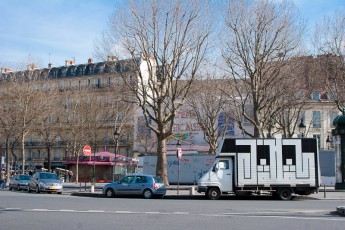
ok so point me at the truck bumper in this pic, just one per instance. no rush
(201, 189)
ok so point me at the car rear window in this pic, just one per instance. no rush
(158, 179)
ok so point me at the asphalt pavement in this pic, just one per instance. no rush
(189, 192)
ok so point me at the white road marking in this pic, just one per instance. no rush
(123, 212)
(181, 213)
(280, 214)
(95, 211)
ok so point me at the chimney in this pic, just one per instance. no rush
(112, 58)
(69, 62)
(5, 70)
(32, 66)
(89, 60)
(50, 65)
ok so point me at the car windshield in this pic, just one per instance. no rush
(48, 176)
(24, 177)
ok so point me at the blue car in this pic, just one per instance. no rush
(144, 185)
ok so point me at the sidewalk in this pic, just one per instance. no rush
(84, 189)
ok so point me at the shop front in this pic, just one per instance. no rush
(101, 166)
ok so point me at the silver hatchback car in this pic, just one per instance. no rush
(45, 182)
(145, 185)
(19, 182)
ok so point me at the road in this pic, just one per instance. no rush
(29, 211)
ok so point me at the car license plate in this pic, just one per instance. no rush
(53, 187)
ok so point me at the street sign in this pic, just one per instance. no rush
(87, 150)
(179, 153)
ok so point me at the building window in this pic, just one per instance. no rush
(332, 116)
(30, 155)
(62, 85)
(316, 119)
(99, 83)
(89, 82)
(315, 96)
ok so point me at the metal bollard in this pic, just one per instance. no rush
(324, 190)
(191, 190)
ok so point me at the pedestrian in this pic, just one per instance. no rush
(70, 175)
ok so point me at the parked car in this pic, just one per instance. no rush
(19, 182)
(45, 182)
(144, 185)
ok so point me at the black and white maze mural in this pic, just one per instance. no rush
(270, 162)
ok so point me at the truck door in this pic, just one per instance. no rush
(224, 174)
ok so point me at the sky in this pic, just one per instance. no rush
(52, 31)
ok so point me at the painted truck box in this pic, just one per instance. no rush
(280, 167)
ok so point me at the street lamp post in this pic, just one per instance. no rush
(302, 128)
(116, 139)
(328, 142)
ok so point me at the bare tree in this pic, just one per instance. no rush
(208, 101)
(47, 126)
(261, 36)
(171, 38)
(294, 92)
(8, 122)
(30, 101)
(329, 41)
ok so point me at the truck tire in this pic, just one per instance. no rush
(284, 194)
(213, 193)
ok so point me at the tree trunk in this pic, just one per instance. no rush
(49, 161)
(161, 169)
(23, 154)
(7, 162)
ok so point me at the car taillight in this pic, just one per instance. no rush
(155, 186)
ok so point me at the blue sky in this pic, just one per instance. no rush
(44, 31)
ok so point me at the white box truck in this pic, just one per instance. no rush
(280, 167)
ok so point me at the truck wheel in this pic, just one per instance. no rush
(284, 194)
(213, 193)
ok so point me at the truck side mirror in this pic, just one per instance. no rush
(215, 169)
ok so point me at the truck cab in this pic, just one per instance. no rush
(279, 167)
(219, 179)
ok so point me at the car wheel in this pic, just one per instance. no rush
(18, 188)
(285, 194)
(147, 194)
(213, 193)
(9, 188)
(37, 189)
(109, 193)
